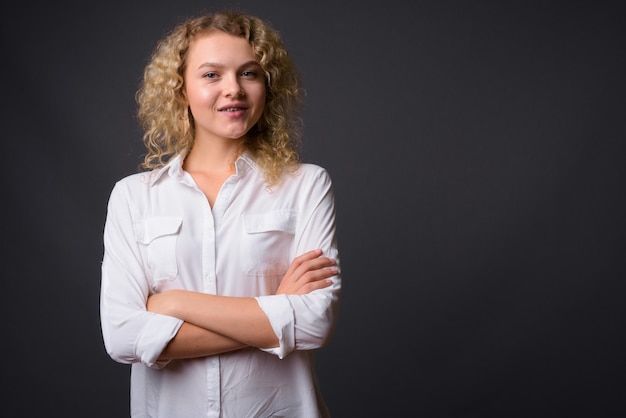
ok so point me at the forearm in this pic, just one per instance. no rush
(192, 341)
(236, 318)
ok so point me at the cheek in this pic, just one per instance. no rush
(263, 95)
(257, 93)
(196, 94)
(194, 97)
(200, 103)
(260, 99)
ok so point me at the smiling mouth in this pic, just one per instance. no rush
(233, 109)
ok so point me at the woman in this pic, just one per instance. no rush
(220, 272)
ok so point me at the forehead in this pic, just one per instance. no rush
(219, 47)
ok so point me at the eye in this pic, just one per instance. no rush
(210, 75)
(249, 74)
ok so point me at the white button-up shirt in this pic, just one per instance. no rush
(161, 234)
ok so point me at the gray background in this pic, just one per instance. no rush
(477, 153)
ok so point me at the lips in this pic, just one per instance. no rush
(238, 107)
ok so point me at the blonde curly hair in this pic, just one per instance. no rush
(165, 117)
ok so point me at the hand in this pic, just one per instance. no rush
(307, 272)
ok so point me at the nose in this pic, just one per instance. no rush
(233, 87)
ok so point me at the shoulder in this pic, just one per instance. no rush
(309, 177)
(133, 181)
(312, 171)
(127, 187)
(142, 177)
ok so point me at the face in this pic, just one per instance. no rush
(224, 86)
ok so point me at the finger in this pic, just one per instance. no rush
(303, 258)
(316, 285)
(308, 255)
(312, 266)
(317, 275)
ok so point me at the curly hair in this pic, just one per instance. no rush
(163, 113)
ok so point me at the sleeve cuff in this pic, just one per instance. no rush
(154, 337)
(280, 314)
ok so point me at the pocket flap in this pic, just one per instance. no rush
(277, 220)
(150, 228)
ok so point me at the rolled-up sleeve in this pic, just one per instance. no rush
(305, 322)
(131, 334)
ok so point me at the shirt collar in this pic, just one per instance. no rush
(245, 162)
(175, 167)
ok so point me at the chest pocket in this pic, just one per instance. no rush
(267, 242)
(157, 237)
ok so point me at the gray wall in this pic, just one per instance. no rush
(477, 150)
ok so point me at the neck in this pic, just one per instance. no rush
(213, 156)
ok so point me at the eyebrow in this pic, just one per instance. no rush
(218, 65)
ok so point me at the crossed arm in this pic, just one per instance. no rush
(216, 324)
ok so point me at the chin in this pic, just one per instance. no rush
(237, 135)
